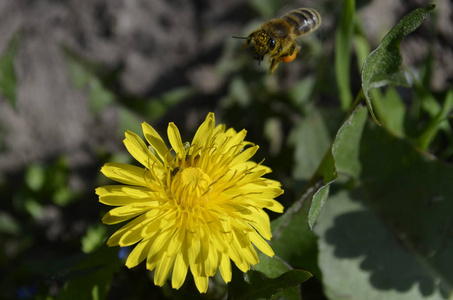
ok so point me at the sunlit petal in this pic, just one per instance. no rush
(197, 207)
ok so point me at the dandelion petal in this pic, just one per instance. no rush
(196, 208)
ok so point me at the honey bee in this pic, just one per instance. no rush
(277, 36)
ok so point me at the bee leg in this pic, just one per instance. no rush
(292, 51)
(274, 63)
(248, 40)
(246, 45)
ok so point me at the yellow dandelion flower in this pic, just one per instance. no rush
(196, 206)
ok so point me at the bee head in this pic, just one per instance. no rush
(263, 43)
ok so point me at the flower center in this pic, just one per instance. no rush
(190, 186)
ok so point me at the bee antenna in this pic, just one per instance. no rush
(261, 58)
(240, 37)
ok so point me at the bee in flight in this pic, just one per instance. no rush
(277, 36)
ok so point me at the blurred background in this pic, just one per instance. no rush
(86, 71)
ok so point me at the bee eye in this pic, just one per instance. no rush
(271, 43)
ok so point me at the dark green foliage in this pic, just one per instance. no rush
(367, 207)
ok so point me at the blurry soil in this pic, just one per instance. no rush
(156, 46)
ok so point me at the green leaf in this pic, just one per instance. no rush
(8, 224)
(83, 76)
(343, 38)
(154, 109)
(256, 285)
(8, 80)
(428, 102)
(292, 229)
(361, 46)
(128, 120)
(311, 140)
(267, 8)
(35, 176)
(33, 207)
(299, 94)
(239, 90)
(63, 196)
(273, 267)
(319, 199)
(98, 95)
(341, 159)
(91, 278)
(393, 236)
(414, 192)
(391, 110)
(359, 251)
(440, 121)
(383, 65)
(346, 146)
(94, 238)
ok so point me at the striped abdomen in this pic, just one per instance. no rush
(304, 20)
